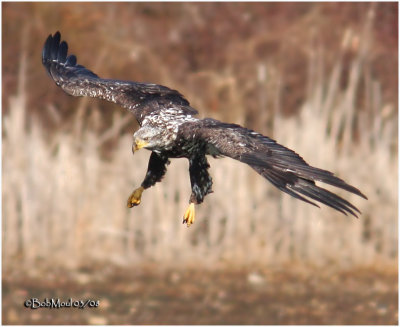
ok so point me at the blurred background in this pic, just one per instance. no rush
(320, 78)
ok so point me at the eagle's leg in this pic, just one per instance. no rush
(155, 172)
(188, 217)
(201, 185)
(135, 197)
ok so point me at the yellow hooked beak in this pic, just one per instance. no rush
(139, 144)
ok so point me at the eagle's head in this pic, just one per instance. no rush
(151, 138)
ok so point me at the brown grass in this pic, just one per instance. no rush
(64, 191)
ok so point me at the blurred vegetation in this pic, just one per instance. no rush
(255, 64)
(199, 46)
(249, 63)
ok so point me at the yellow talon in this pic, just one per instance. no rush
(135, 197)
(188, 217)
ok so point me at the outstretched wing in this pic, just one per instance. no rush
(139, 98)
(281, 166)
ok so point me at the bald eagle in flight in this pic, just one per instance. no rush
(169, 129)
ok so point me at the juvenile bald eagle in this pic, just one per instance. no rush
(169, 129)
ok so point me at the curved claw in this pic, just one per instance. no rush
(188, 217)
(135, 198)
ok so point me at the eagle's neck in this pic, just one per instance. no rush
(167, 123)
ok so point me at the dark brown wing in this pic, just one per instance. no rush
(76, 80)
(281, 166)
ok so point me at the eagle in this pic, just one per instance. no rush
(169, 129)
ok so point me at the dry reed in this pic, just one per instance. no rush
(64, 205)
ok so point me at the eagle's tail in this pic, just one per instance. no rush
(281, 166)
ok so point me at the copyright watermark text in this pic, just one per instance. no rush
(49, 303)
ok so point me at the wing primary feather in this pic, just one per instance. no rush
(55, 45)
(46, 49)
(291, 184)
(62, 52)
(71, 60)
(280, 183)
(324, 196)
(302, 169)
